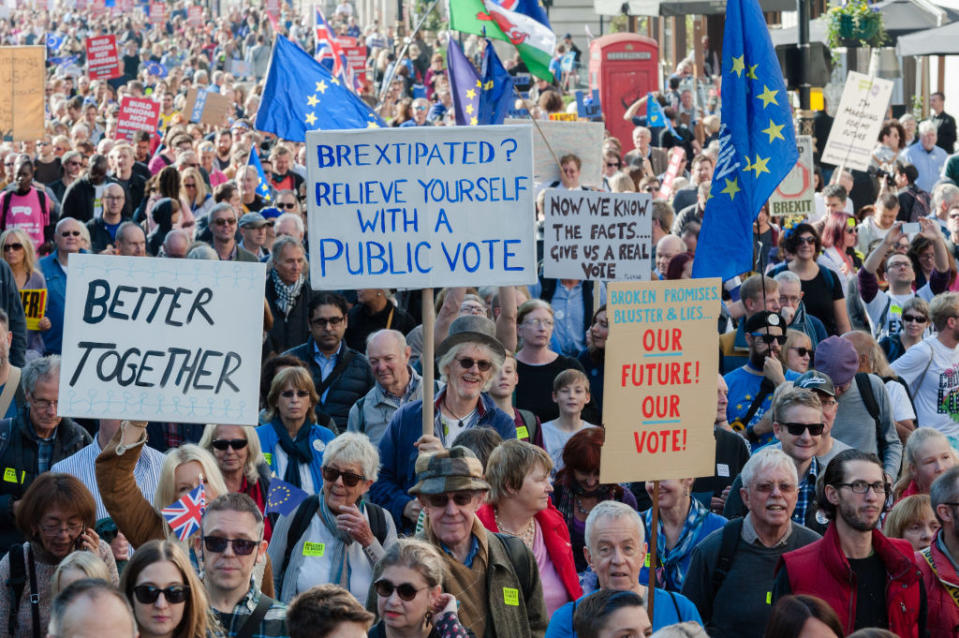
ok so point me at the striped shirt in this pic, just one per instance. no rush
(273, 624)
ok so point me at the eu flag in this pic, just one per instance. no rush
(283, 497)
(262, 184)
(655, 116)
(300, 95)
(497, 95)
(463, 81)
(757, 143)
(476, 99)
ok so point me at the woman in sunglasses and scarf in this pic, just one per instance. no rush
(336, 536)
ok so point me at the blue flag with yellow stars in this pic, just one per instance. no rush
(283, 497)
(497, 95)
(655, 116)
(476, 99)
(464, 82)
(757, 144)
(262, 184)
(301, 95)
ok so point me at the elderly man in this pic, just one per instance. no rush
(290, 225)
(616, 550)
(176, 244)
(131, 242)
(91, 608)
(288, 295)
(493, 577)
(793, 310)
(397, 383)
(103, 229)
(35, 440)
(733, 569)
(658, 159)
(253, 229)
(928, 158)
(54, 268)
(421, 108)
(83, 200)
(667, 248)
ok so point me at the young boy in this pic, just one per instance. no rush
(571, 394)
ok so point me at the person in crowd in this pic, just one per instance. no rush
(945, 124)
(91, 607)
(875, 227)
(571, 394)
(928, 158)
(327, 611)
(578, 490)
(468, 361)
(288, 294)
(341, 374)
(55, 516)
(823, 387)
(353, 532)
(756, 294)
(922, 252)
(26, 206)
(72, 162)
(913, 519)
(701, 172)
(801, 616)
(873, 361)
(168, 598)
(197, 193)
(19, 254)
(616, 551)
(732, 570)
(937, 561)
(914, 203)
(793, 309)
(450, 488)
(612, 613)
(77, 565)
(166, 213)
(518, 473)
(176, 244)
(666, 248)
(253, 228)
(643, 152)
(54, 269)
(839, 237)
(926, 456)
(797, 351)
(396, 383)
(593, 357)
(124, 170)
(296, 435)
(103, 228)
(232, 544)
(83, 200)
(131, 241)
(223, 222)
(34, 440)
(410, 601)
(868, 579)
(374, 310)
(572, 302)
(236, 449)
(915, 324)
(528, 426)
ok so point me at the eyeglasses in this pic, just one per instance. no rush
(286, 205)
(802, 352)
(225, 221)
(899, 264)
(217, 545)
(769, 339)
(807, 240)
(767, 488)
(148, 594)
(539, 323)
(852, 230)
(289, 394)
(44, 404)
(467, 363)
(330, 474)
(52, 529)
(13, 246)
(190, 185)
(331, 321)
(440, 500)
(613, 164)
(861, 487)
(913, 319)
(405, 591)
(796, 429)
(70, 233)
(112, 197)
(223, 444)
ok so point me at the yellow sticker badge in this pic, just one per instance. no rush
(313, 549)
(511, 596)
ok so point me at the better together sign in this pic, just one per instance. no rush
(421, 207)
(162, 340)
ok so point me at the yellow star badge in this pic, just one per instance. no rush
(739, 65)
(759, 166)
(751, 74)
(732, 187)
(321, 86)
(471, 93)
(312, 100)
(310, 119)
(774, 131)
(768, 96)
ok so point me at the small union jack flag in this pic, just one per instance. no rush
(327, 47)
(186, 515)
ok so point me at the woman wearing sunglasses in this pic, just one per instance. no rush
(167, 597)
(236, 449)
(796, 354)
(410, 602)
(915, 323)
(292, 440)
(338, 536)
(20, 255)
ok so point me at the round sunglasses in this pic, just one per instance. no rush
(405, 591)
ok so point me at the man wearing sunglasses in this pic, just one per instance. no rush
(223, 221)
(869, 580)
(230, 547)
(494, 577)
(66, 237)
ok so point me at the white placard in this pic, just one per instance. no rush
(859, 117)
(582, 139)
(594, 235)
(796, 194)
(175, 340)
(421, 207)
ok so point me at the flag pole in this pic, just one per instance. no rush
(429, 320)
(540, 131)
(406, 45)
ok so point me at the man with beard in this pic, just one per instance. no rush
(869, 580)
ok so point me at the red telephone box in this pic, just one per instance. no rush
(624, 67)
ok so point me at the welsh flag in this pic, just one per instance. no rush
(534, 41)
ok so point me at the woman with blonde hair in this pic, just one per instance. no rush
(19, 254)
(77, 566)
(796, 354)
(195, 192)
(913, 520)
(926, 455)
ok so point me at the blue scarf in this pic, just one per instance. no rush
(670, 572)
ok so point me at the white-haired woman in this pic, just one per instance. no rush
(336, 536)
(926, 455)
(236, 449)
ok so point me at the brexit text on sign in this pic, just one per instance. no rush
(162, 340)
(421, 207)
(660, 380)
(796, 194)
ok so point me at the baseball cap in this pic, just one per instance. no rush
(816, 380)
(252, 220)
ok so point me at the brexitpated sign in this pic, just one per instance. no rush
(660, 380)
(162, 340)
(421, 207)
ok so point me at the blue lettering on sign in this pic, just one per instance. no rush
(199, 105)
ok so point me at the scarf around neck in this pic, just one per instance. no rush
(286, 294)
(297, 451)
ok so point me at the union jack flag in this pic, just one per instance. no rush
(327, 47)
(186, 515)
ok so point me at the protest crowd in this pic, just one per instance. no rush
(832, 503)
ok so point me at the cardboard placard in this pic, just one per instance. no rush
(592, 110)
(660, 381)
(22, 80)
(796, 194)
(137, 114)
(206, 107)
(34, 306)
(582, 139)
(421, 207)
(103, 60)
(596, 235)
(162, 340)
(861, 112)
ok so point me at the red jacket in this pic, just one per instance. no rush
(821, 569)
(944, 622)
(556, 539)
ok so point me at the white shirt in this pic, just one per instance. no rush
(899, 400)
(306, 477)
(555, 438)
(318, 560)
(931, 371)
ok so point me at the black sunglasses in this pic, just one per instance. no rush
(13, 246)
(217, 545)
(468, 362)
(148, 594)
(796, 429)
(330, 474)
(768, 339)
(803, 352)
(440, 500)
(405, 591)
(289, 394)
(223, 444)
(68, 233)
(914, 319)
(287, 205)
(807, 240)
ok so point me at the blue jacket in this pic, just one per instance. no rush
(398, 456)
(671, 608)
(319, 437)
(56, 301)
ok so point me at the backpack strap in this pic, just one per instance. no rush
(6, 209)
(732, 532)
(16, 582)
(377, 522)
(519, 559)
(298, 527)
(872, 406)
(361, 426)
(252, 622)
(529, 422)
(34, 593)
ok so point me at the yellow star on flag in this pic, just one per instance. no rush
(310, 119)
(489, 85)
(479, 84)
(749, 166)
(759, 166)
(768, 96)
(321, 86)
(774, 131)
(471, 93)
(473, 121)
(335, 81)
(372, 125)
(751, 74)
(469, 109)
(732, 187)
(312, 100)
(739, 65)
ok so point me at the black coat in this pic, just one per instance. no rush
(78, 199)
(288, 331)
